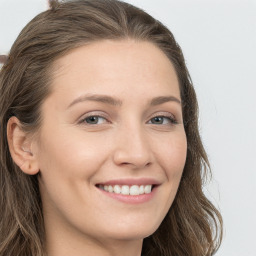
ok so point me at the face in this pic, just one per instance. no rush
(112, 146)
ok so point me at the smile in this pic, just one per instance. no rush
(132, 190)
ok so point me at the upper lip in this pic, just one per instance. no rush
(131, 181)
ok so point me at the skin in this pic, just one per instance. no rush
(72, 155)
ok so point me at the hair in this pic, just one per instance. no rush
(3, 59)
(192, 226)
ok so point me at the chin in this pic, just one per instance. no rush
(132, 231)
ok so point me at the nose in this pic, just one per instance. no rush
(132, 148)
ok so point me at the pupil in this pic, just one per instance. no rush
(92, 119)
(158, 120)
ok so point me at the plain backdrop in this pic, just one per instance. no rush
(218, 38)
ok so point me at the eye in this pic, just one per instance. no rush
(158, 120)
(94, 120)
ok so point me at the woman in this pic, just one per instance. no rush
(100, 149)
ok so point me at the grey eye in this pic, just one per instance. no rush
(162, 120)
(157, 120)
(92, 119)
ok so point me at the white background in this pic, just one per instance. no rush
(218, 38)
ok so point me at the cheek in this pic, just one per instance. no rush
(68, 164)
(71, 155)
(172, 153)
(172, 158)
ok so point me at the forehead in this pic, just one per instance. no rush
(110, 65)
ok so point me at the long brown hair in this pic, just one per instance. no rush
(193, 226)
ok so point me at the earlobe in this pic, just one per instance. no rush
(20, 147)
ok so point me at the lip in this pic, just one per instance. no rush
(128, 199)
(131, 181)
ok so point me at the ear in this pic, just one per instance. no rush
(20, 146)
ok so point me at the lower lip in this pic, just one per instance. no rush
(138, 199)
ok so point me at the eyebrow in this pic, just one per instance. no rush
(96, 97)
(163, 99)
(116, 102)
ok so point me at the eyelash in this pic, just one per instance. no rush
(171, 119)
(91, 116)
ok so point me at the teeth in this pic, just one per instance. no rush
(127, 190)
(110, 189)
(117, 189)
(141, 189)
(134, 190)
(147, 189)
